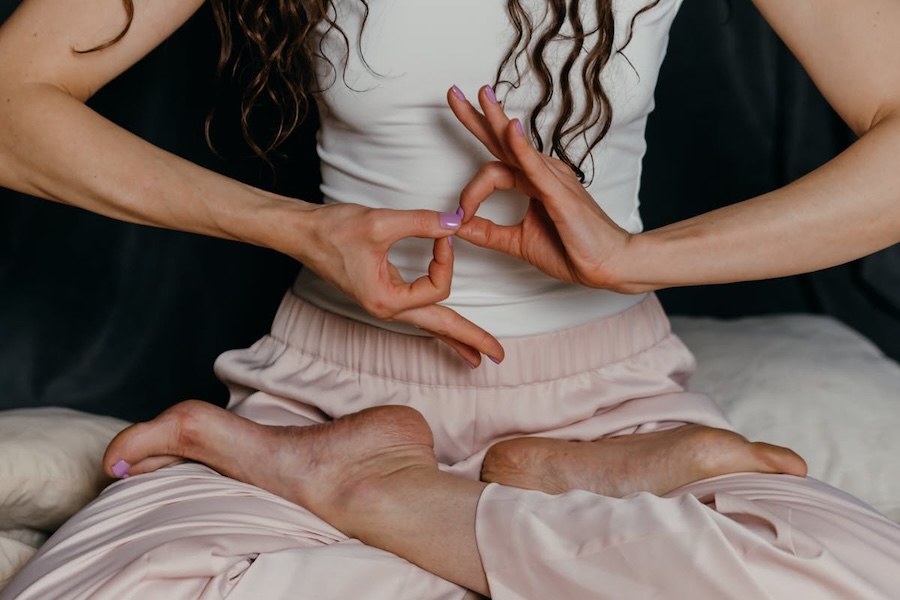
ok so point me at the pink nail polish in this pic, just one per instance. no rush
(519, 127)
(471, 365)
(450, 220)
(460, 212)
(494, 360)
(458, 93)
(450, 240)
(490, 94)
(120, 469)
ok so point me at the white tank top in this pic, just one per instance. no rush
(388, 139)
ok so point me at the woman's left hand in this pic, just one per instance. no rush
(564, 233)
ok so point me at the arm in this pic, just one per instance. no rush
(54, 147)
(848, 208)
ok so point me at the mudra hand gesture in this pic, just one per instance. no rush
(564, 233)
(351, 246)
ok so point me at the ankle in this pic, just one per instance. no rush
(385, 490)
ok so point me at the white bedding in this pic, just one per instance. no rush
(812, 384)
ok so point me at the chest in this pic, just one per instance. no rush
(405, 54)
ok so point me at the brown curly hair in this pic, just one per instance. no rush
(278, 47)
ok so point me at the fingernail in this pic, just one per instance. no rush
(460, 212)
(450, 220)
(450, 240)
(494, 360)
(458, 93)
(490, 94)
(519, 127)
(471, 365)
(120, 469)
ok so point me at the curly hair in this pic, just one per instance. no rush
(276, 46)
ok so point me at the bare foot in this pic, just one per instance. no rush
(657, 462)
(321, 467)
(372, 475)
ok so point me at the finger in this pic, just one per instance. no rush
(487, 234)
(490, 177)
(475, 122)
(395, 295)
(435, 285)
(496, 119)
(391, 225)
(561, 194)
(470, 355)
(537, 168)
(443, 322)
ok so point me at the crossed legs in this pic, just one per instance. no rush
(373, 474)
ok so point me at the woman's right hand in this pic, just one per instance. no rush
(116, 174)
(348, 246)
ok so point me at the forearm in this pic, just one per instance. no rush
(52, 146)
(846, 209)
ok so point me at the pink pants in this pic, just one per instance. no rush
(187, 532)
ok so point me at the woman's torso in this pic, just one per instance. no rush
(389, 140)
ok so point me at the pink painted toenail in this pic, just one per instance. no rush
(120, 469)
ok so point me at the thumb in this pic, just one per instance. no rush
(395, 225)
(487, 234)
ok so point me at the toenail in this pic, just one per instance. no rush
(120, 469)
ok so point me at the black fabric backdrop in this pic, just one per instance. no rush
(122, 319)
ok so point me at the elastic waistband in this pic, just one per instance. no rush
(364, 348)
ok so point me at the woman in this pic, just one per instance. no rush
(586, 354)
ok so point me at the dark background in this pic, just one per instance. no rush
(125, 320)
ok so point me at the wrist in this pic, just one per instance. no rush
(276, 222)
(626, 272)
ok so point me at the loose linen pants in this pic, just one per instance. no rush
(186, 532)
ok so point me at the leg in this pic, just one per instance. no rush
(656, 462)
(183, 533)
(205, 433)
(187, 532)
(620, 374)
(373, 475)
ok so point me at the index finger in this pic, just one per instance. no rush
(475, 123)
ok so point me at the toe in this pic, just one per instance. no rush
(170, 437)
(780, 459)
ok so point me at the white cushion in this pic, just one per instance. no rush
(812, 384)
(13, 556)
(50, 464)
(32, 537)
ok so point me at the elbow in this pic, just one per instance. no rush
(887, 112)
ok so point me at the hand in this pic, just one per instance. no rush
(350, 250)
(564, 233)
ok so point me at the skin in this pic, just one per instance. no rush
(363, 473)
(657, 462)
(566, 235)
(43, 87)
(373, 474)
(823, 219)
